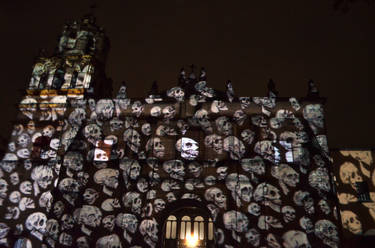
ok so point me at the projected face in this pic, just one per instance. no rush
(189, 148)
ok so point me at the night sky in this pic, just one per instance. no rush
(247, 42)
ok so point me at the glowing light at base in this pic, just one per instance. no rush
(191, 241)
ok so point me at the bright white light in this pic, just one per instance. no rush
(191, 241)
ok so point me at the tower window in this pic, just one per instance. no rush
(186, 229)
(362, 192)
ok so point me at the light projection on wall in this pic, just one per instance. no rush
(188, 147)
(355, 184)
(103, 150)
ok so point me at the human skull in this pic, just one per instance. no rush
(224, 125)
(14, 178)
(92, 133)
(222, 172)
(259, 120)
(23, 140)
(254, 208)
(73, 162)
(104, 109)
(83, 242)
(88, 215)
(216, 195)
(169, 184)
(45, 200)
(155, 111)
(77, 116)
(90, 195)
(171, 197)
(327, 232)
(169, 112)
(324, 206)
(313, 113)
(108, 178)
(48, 131)
(235, 221)
(175, 169)
(201, 116)
(131, 168)
(53, 228)
(289, 213)
(156, 146)
(349, 174)
(303, 198)
(14, 197)
(128, 222)
(159, 205)
(306, 224)
(351, 222)
(133, 200)
(266, 221)
(132, 139)
(65, 239)
(248, 136)
(189, 148)
(195, 168)
(215, 142)
(239, 116)
(109, 241)
(319, 179)
(116, 124)
(218, 106)
(36, 223)
(210, 180)
(253, 237)
(177, 93)
(287, 176)
(294, 103)
(253, 165)
(234, 146)
(26, 187)
(23, 153)
(149, 229)
(54, 144)
(110, 204)
(294, 238)
(269, 195)
(137, 108)
(42, 175)
(146, 129)
(265, 149)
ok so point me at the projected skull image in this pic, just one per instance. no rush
(189, 148)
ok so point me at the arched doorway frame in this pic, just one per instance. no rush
(173, 207)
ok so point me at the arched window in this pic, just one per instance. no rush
(188, 228)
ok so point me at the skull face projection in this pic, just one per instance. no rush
(319, 179)
(175, 169)
(235, 147)
(265, 149)
(159, 205)
(104, 109)
(77, 116)
(132, 200)
(268, 195)
(351, 222)
(236, 221)
(137, 108)
(177, 93)
(128, 222)
(92, 133)
(109, 222)
(189, 148)
(218, 106)
(23, 140)
(240, 187)
(201, 116)
(132, 139)
(108, 178)
(224, 125)
(287, 176)
(169, 112)
(289, 213)
(156, 146)
(149, 229)
(240, 117)
(303, 198)
(131, 168)
(42, 176)
(146, 129)
(327, 232)
(313, 113)
(73, 161)
(349, 174)
(215, 142)
(254, 208)
(216, 195)
(195, 169)
(88, 216)
(293, 238)
(36, 223)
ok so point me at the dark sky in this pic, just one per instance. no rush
(245, 41)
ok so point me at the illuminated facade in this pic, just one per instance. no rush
(188, 167)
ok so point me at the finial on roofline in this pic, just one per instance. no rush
(312, 89)
(230, 91)
(272, 92)
(203, 76)
(122, 91)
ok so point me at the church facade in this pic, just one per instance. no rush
(187, 167)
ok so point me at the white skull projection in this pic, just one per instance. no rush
(175, 169)
(36, 223)
(189, 148)
(314, 114)
(286, 175)
(349, 174)
(236, 221)
(104, 109)
(327, 232)
(177, 93)
(217, 196)
(235, 147)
